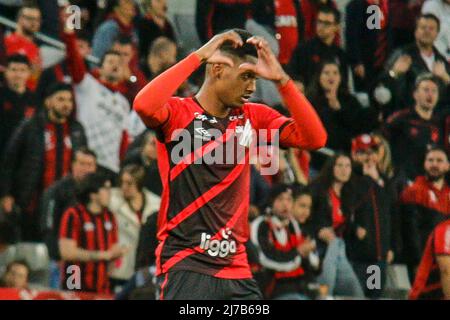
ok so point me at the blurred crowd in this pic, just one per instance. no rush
(79, 181)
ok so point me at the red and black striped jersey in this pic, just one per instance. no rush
(427, 284)
(94, 233)
(203, 223)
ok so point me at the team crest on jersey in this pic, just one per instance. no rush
(108, 226)
(88, 226)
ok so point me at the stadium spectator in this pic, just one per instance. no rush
(162, 55)
(132, 204)
(145, 155)
(367, 47)
(16, 275)
(283, 249)
(441, 9)
(411, 131)
(88, 237)
(22, 41)
(285, 19)
(424, 204)
(341, 113)
(119, 22)
(408, 63)
(309, 55)
(433, 275)
(17, 102)
(60, 72)
(371, 239)
(38, 154)
(331, 217)
(310, 9)
(215, 16)
(101, 107)
(133, 79)
(152, 25)
(57, 199)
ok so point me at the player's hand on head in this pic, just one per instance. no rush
(210, 51)
(268, 66)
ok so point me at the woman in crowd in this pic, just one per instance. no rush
(332, 198)
(132, 205)
(340, 112)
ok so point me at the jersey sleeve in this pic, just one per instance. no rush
(70, 226)
(442, 239)
(266, 118)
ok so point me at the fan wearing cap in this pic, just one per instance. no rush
(285, 252)
(372, 239)
(38, 154)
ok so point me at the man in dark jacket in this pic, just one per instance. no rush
(38, 154)
(17, 102)
(407, 64)
(424, 204)
(308, 56)
(371, 242)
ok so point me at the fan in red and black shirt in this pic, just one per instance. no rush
(424, 205)
(88, 237)
(433, 276)
(203, 221)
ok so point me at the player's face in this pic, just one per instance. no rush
(427, 95)
(426, 31)
(60, 104)
(436, 165)
(83, 165)
(330, 77)
(17, 75)
(282, 206)
(112, 69)
(235, 85)
(342, 169)
(302, 208)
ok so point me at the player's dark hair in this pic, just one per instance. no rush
(85, 151)
(108, 53)
(429, 16)
(17, 58)
(246, 49)
(428, 76)
(92, 183)
(330, 10)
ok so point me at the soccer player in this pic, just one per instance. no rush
(203, 223)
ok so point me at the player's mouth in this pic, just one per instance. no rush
(246, 98)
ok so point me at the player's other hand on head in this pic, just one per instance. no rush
(267, 66)
(210, 52)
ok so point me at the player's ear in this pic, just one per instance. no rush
(217, 70)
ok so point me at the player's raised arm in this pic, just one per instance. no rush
(306, 131)
(150, 101)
